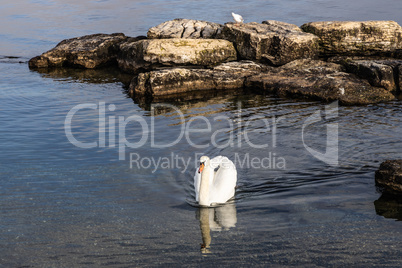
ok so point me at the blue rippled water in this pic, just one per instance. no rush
(113, 204)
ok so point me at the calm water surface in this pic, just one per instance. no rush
(114, 205)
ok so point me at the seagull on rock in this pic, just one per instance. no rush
(237, 18)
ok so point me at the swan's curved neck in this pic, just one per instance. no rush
(204, 186)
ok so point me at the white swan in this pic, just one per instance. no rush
(212, 186)
(237, 18)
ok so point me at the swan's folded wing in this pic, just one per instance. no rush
(224, 184)
(197, 182)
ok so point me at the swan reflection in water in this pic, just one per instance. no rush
(214, 219)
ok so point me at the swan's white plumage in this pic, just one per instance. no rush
(237, 18)
(222, 182)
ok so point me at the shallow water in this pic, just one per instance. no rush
(113, 205)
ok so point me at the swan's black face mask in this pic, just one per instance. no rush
(201, 167)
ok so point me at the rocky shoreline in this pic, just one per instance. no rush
(354, 62)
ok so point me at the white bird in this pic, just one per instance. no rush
(215, 187)
(237, 18)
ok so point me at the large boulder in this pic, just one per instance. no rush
(379, 73)
(319, 80)
(356, 37)
(89, 51)
(272, 41)
(153, 53)
(389, 177)
(230, 75)
(185, 28)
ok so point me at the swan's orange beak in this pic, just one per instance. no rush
(201, 167)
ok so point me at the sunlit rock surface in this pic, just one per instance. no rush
(89, 51)
(274, 42)
(356, 37)
(185, 28)
(155, 53)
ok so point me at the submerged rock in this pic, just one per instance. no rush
(356, 37)
(185, 28)
(89, 51)
(153, 53)
(230, 75)
(275, 42)
(318, 80)
(389, 177)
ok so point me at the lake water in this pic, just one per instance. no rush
(123, 197)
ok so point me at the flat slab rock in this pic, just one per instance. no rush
(89, 51)
(154, 53)
(389, 177)
(230, 75)
(185, 28)
(319, 80)
(364, 38)
(274, 42)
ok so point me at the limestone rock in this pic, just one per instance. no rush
(318, 80)
(275, 42)
(389, 176)
(185, 28)
(90, 51)
(279, 26)
(356, 37)
(379, 73)
(154, 53)
(177, 80)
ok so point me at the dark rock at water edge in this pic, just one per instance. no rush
(231, 75)
(318, 80)
(312, 79)
(388, 177)
(386, 73)
(89, 51)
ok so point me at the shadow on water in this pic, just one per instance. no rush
(189, 100)
(196, 100)
(111, 74)
(93, 76)
(389, 206)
